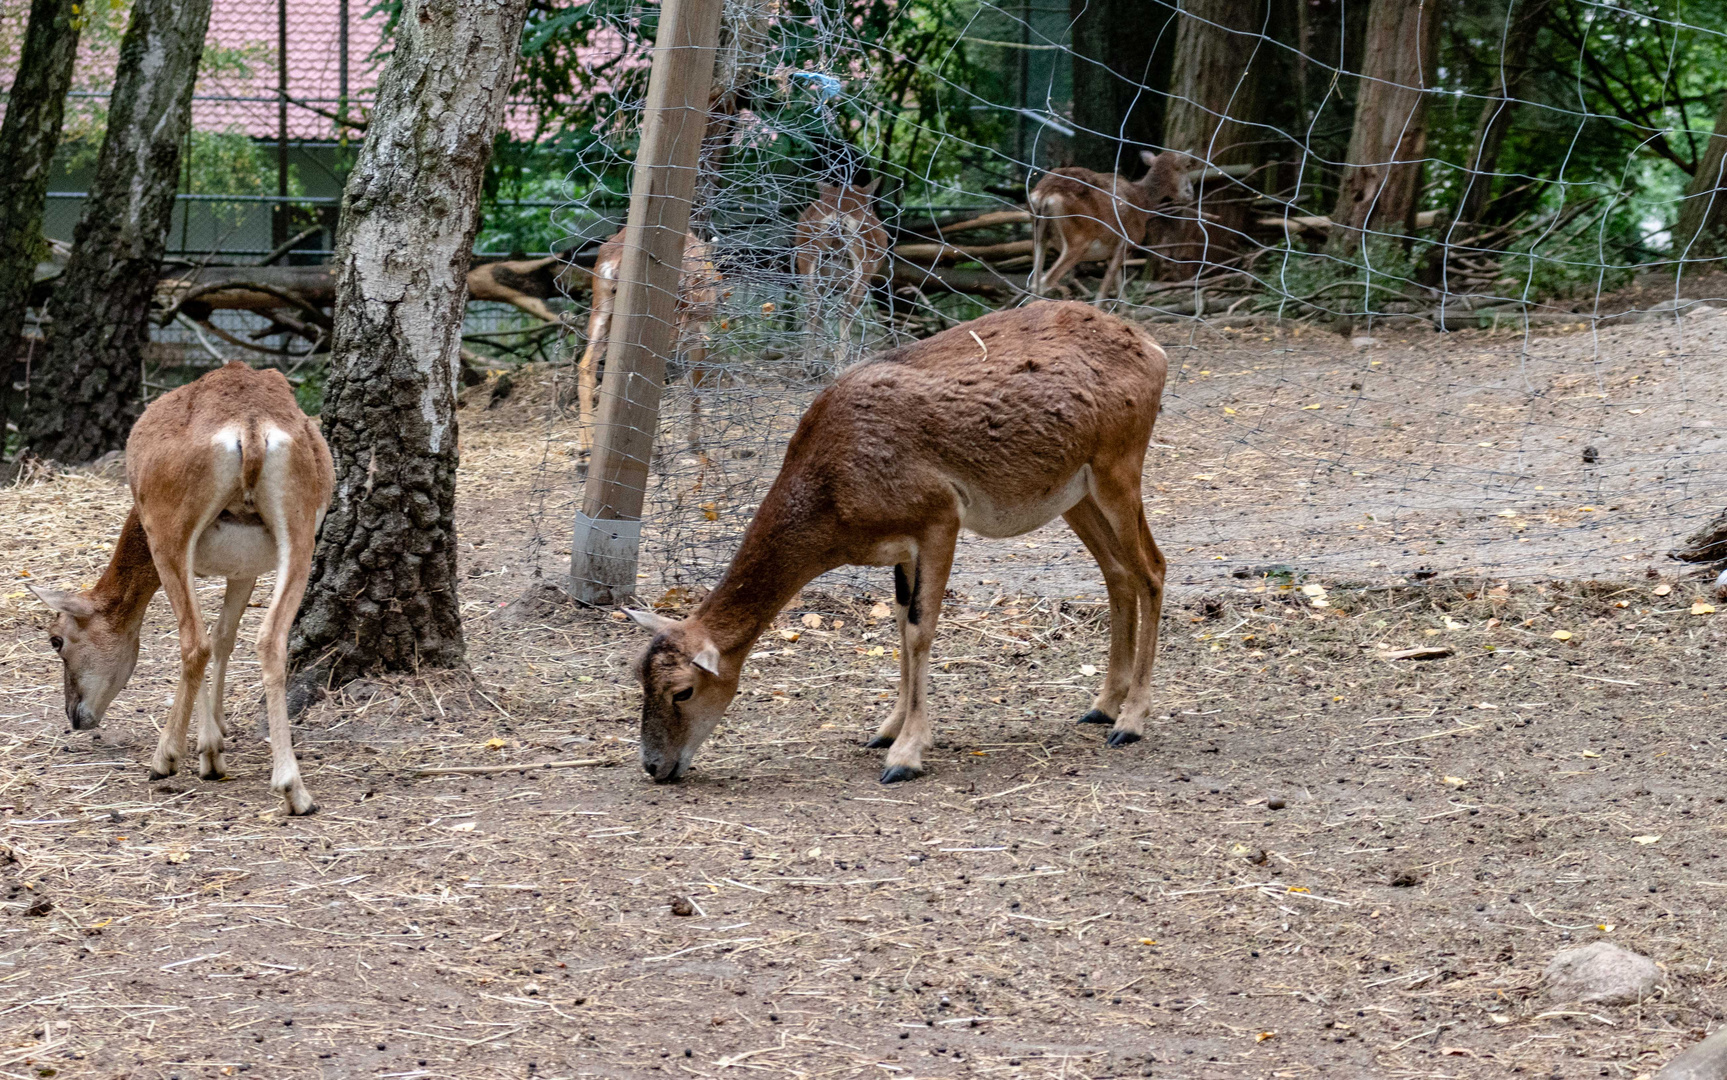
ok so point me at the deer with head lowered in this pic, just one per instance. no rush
(1097, 216)
(698, 295)
(229, 479)
(841, 247)
(997, 426)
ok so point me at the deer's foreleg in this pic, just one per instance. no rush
(176, 574)
(587, 371)
(1039, 238)
(923, 585)
(1093, 529)
(212, 723)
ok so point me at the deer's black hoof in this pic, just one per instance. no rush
(900, 773)
(213, 774)
(1097, 716)
(155, 776)
(880, 742)
(1122, 738)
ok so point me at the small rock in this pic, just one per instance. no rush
(1705, 1061)
(1600, 973)
(1405, 880)
(1275, 804)
(1591, 455)
(682, 907)
(39, 909)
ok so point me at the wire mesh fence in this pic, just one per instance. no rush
(1398, 348)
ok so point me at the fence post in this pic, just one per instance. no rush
(644, 323)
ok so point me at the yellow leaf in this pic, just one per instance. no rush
(1454, 781)
(1227, 411)
(1590, 753)
(1507, 513)
(1561, 635)
(789, 635)
(812, 620)
(1605, 928)
(1645, 839)
(1147, 941)
(1700, 608)
(1663, 589)
(1588, 509)
(1313, 590)
(1264, 1035)
(1300, 888)
(768, 308)
(1203, 476)
(877, 651)
(495, 744)
(880, 611)
(1305, 408)
(177, 856)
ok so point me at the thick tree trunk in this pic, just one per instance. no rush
(1524, 22)
(86, 391)
(1382, 182)
(1702, 229)
(1216, 88)
(383, 589)
(28, 138)
(1121, 66)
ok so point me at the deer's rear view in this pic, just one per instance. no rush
(996, 426)
(229, 479)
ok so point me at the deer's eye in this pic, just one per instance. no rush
(55, 643)
(685, 694)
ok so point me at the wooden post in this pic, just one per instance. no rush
(644, 323)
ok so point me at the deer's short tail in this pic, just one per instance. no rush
(251, 462)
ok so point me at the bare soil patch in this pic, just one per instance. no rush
(1319, 862)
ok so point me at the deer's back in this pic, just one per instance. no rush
(1014, 402)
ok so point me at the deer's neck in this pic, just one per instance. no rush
(783, 550)
(126, 586)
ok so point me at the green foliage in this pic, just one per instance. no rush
(1381, 271)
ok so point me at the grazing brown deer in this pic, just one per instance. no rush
(698, 297)
(996, 426)
(841, 248)
(1098, 216)
(229, 479)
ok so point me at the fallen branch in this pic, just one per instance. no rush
(480, 770)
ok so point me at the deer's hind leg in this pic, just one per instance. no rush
(212, 723)
(173, 558)
(295, 534)
(1119, 503)
(921, 584)
(1093, 528)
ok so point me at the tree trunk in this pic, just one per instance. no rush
(1215, 90)
(1382, 182)
(1524, 22)
(87, 390)
(1121, 64)
(28, 139)
(1702, 229)
(383, 588)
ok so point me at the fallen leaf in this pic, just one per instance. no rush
(463, 826)
(1313, 590)
(1590, 753)
(1507, 513)
(495, 744)
(789, 635)
(877, 651)
(1203, 476)
(1645, 839)
(1499, 1018)
(1663, 589)
(1605, 928)
(177, 856)
(1087, 669)
(1147, 941)
(812, 620)
(1300, 889)
(1307, 408)
(1454, 781)
(1561, 635)
(1700, 608)
(1264, 1035)
(1453, 624)
(880, 611)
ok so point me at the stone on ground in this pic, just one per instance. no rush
(1705, 1061)
(1600, 973)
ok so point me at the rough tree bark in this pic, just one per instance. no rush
(85, 393)
(28, 138)
(1121, 67)
(1523, 24)
(1382, 183)
(383, 588)
(1702, 229)
(1217, 80)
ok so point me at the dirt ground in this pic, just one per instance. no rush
(1320, 862)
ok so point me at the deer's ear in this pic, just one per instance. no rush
(707, 658)
(650, 621)
(870, 188)
(74, 604)
(1148, 157)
